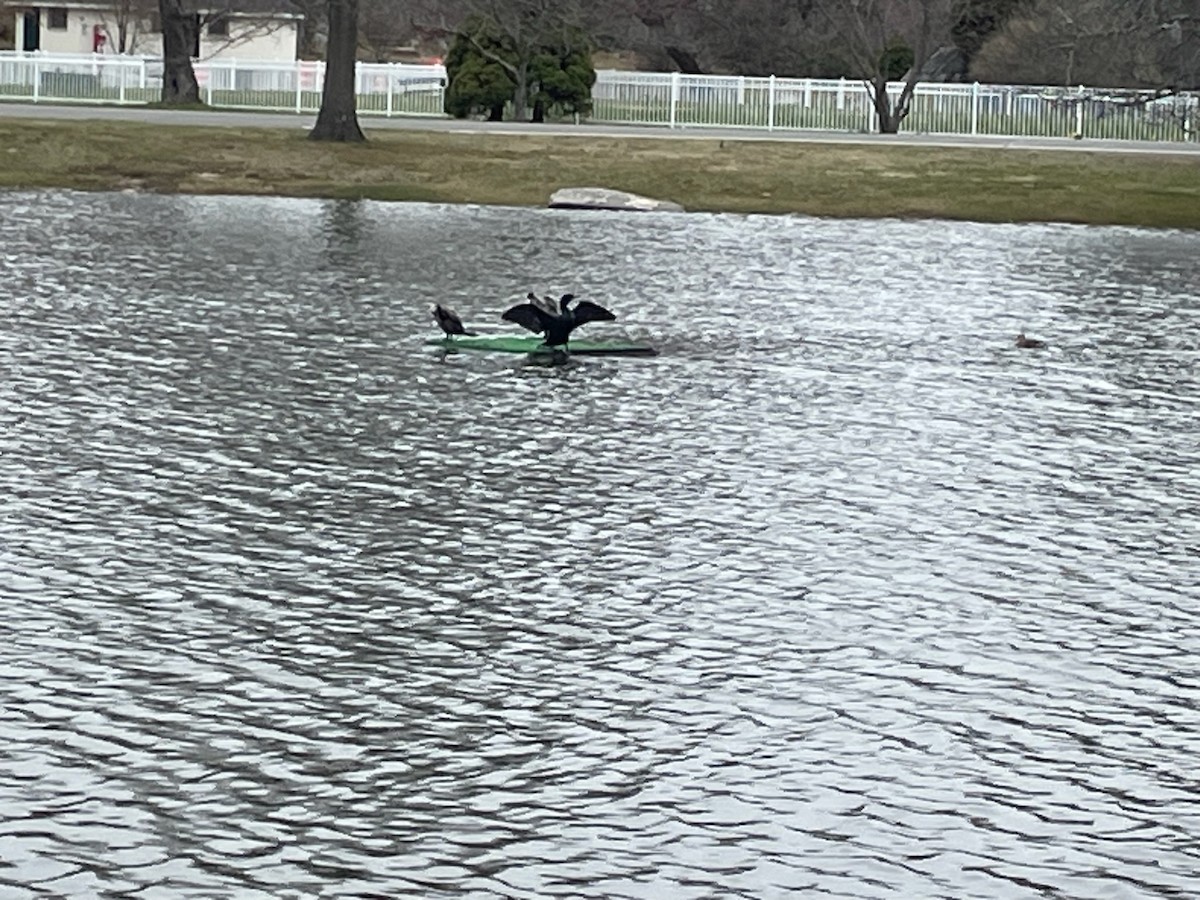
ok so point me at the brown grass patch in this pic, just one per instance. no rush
(523, 170)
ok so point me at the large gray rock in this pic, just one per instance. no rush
(606, 198)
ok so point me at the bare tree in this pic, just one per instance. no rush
(675, 28)
(1108, 43)
(338, 117)
(865, 30)
(384, 26)
(436, 21)
(665, 34)
(126, 22)
(772, 37)
(1180, 47)
(978, 20)
(310, 42)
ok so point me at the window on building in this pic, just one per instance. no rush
(219, 27)
(56, 18)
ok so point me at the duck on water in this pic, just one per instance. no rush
(540, 317)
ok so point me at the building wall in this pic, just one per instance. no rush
(247, 39)
(75, 38)
(253, 39)
(250, 39)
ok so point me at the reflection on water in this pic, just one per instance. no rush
(841, 595)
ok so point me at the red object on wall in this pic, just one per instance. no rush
(99, 39)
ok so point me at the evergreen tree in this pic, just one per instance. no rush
(487, 71)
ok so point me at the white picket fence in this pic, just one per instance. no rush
(388, 89)
(619, 97)
(774, 104)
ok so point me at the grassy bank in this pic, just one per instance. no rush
(736, 176)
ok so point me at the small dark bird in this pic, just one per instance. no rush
(449, 321)
(1029, 343)
(557, 326)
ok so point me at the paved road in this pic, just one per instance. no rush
(371, 123)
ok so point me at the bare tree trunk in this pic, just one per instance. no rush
(883, 105)
(684, 59)
(338, 118)
(181, 32)
(889, 115)
(521, 91)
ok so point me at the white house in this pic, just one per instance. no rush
(240, 29)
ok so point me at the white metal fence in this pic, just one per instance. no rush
(651, 98)
(389, 89)
(676, 100)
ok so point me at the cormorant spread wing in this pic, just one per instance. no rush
(587, 311)
(528, 316)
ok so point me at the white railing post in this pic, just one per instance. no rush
(841, 95)
(391, 77)
(975, 108)
(1079, 114)
(37, 87)
(121, 69)
(299, 86)
(142, 74)
(674, 96)
(807, 93)
(771, 103)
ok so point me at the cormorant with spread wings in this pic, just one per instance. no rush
(557, 327)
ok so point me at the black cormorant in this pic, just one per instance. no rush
(1029, 343)
(557, 327)
(449, 321)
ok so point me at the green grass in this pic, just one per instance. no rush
(990, 185)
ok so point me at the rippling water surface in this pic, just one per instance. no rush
(842, 595)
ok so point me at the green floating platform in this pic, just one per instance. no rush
(502, 343)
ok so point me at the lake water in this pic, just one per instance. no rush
(842, 595)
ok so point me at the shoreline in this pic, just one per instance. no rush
(842, 176)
